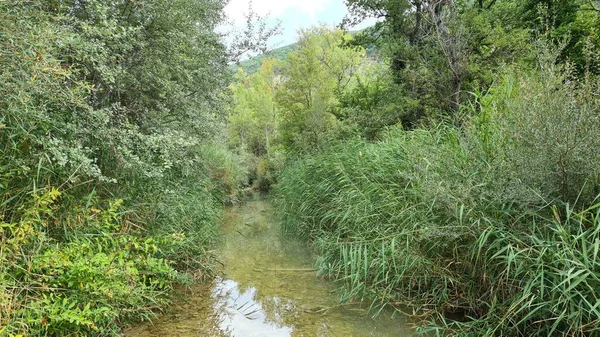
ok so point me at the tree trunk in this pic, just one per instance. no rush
(416, 34)
(267, 139)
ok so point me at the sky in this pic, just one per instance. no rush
(293, 15)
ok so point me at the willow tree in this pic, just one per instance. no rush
(314, 75)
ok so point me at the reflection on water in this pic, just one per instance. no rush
(268, 288)
(242, 315)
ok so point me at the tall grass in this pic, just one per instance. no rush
(459, 222)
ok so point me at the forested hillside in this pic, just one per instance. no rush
(454, 174)
(251, 65)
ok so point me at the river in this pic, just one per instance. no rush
(268, 289)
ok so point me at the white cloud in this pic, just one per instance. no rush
(236, 9)
(293, 15)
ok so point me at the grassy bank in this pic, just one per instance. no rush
(495, 221)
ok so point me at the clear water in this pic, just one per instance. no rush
(268, 288)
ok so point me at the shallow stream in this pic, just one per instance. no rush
(268, 288)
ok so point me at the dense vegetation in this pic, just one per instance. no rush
(111, 175)
(444, 162)
(452, 175)
(462, 221)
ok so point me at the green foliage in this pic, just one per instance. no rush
(254, 124)
(268, 169)
(551, 134)
(84, 285)
(295, 106)
(574, 22)
(93, 93)
(224, 169)
(373, 102)
(439, 51)
(103, 101)
(542, 281)
(314, 74)
(465, 221)
(254, 121)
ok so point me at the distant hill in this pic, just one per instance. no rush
(251, 66)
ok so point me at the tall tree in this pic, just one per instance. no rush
(255, 117)
(115, 87)
(314, 74)
(439, 50)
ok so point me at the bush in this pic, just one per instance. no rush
(268, 169)
(544, 130)
(107, 193)
(224, 170)
(84, 285)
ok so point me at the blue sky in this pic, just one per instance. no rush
(293, 14)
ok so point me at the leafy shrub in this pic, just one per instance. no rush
(224, 168)
(83, 286)
(268, 169)
(92, 111)
(544, 131)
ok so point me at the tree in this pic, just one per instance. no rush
(439, 50)
(572, 21)
(374, 101)
(254, 120)
(314, 75)
(106, 112)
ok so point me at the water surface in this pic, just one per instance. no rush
(268, 288)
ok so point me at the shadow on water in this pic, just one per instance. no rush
(268, 288)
